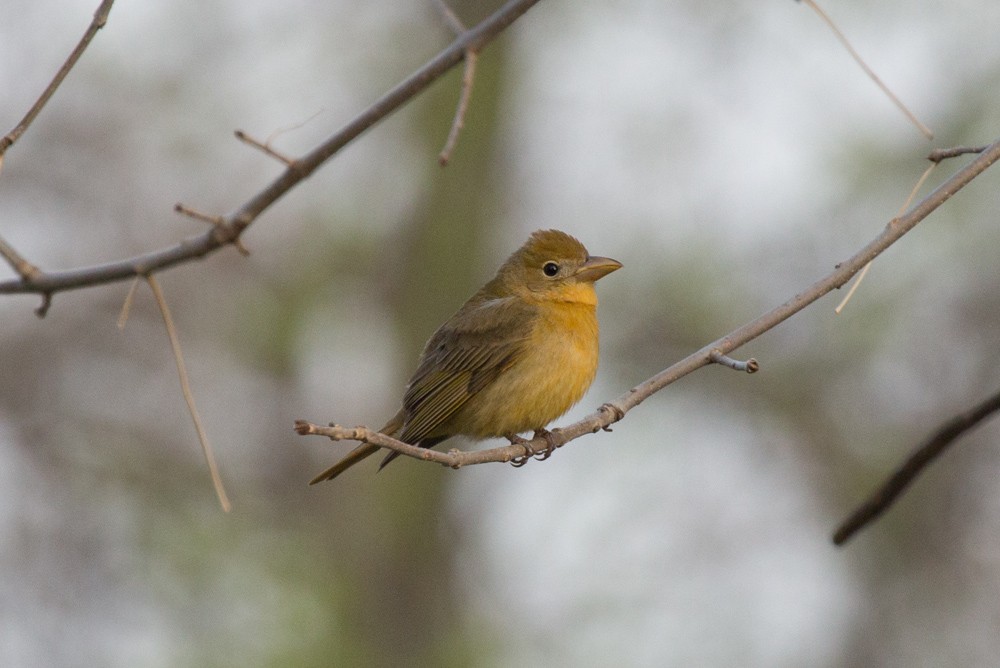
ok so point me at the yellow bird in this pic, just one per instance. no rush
(516, 356)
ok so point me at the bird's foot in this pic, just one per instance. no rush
(550, 444)
(529, 451)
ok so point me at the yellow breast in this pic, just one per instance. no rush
(554, 373)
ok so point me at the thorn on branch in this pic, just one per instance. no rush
(939, 154)
(215, 221)
(264, 147)
(750, 366)
(198, 215)
(43, 308)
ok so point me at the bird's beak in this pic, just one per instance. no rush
(597, 267)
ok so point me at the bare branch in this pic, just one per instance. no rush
(175, 345)
(43, 308)
(750, 366)
(453, 458)
(127, 304)
(263, 147)
(100, 19)
(198, 215)
(939, 154)
(211, 220)
(864, 272)
(926, 131)
(450, 17)
(234, 223)
(24, 269)
(468, 78)
(914, 465)
(613, 411)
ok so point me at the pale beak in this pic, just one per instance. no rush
(597, 267)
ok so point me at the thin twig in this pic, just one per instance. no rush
(235, 222)
(939, 154)
(100, 19)
(613, 411)
(468, 79)
(450, 17)
(294, 126)
(217, 221)
(914, 465)
(198, 215)
(453, 458)
(263, 147)
(24, 269)
(926, 131)
(43, 308)
(750, 366)
(854, 286)
(168, 322)
(127, 304)
(861, 276)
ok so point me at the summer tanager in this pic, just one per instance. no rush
(516, 356)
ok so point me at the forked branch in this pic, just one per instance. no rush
(230, 226)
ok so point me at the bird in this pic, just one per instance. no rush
(516, 356)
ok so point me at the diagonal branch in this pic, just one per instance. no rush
(920, 459)
(100, 19)
(232, 225)
(614, 411)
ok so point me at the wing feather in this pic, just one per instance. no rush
(468, 353)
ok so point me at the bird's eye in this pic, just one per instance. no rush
(550, 269)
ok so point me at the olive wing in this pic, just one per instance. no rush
(468, 353)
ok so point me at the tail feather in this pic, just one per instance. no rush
(352, 458)
(362, 452)
(426, 443)
(391, 428)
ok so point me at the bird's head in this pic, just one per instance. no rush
(552, 265)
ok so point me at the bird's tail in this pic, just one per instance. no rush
(361, 452)
(352, 458)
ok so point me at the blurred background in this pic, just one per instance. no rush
(728, 155)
